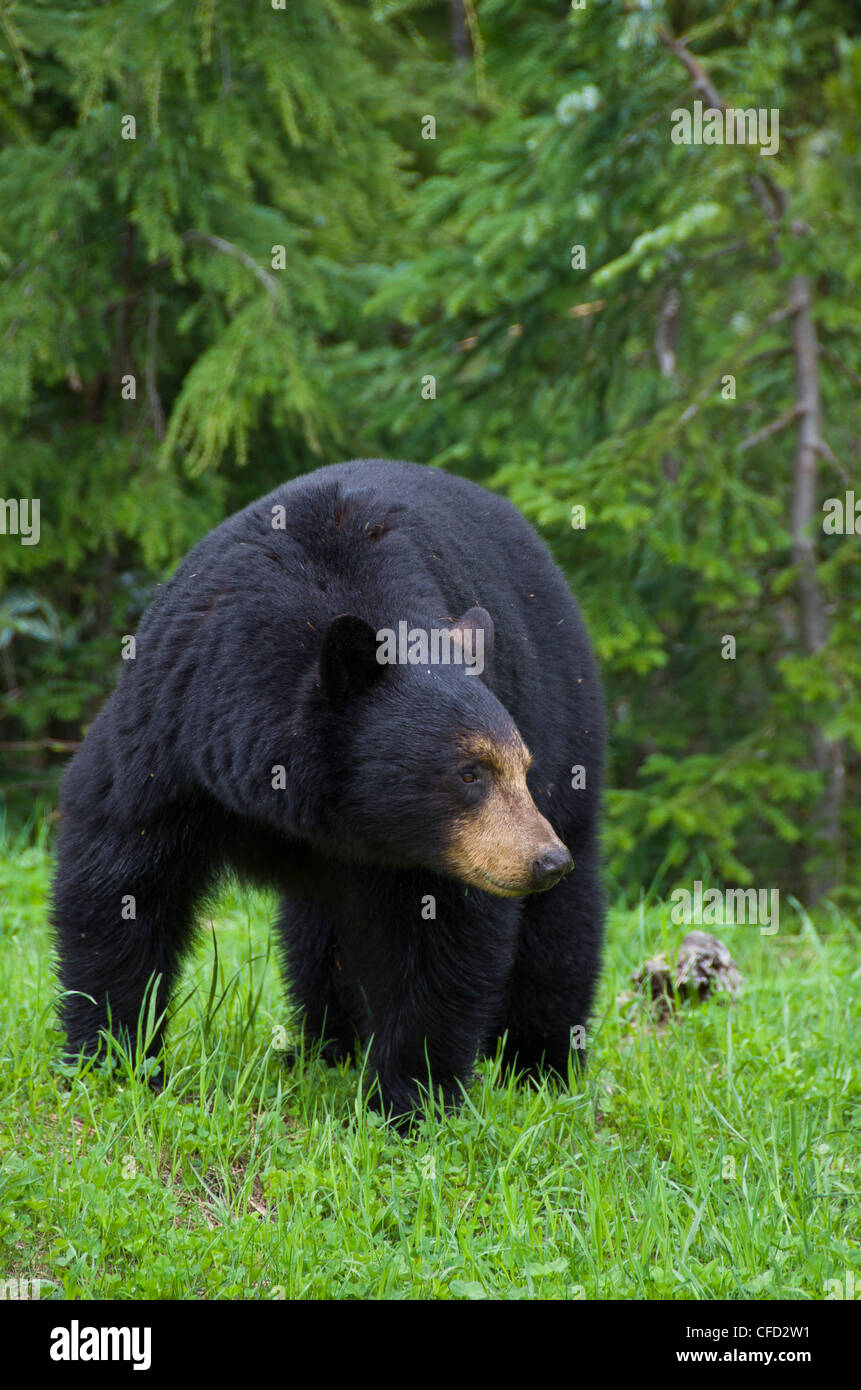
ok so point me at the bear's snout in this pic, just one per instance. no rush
(550, 866)
(508, 848)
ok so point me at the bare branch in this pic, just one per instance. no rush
(700, 79)
(667, 332)
(831, 458)
(837, 361)
(772, 200)
(228, 249)
(776, 425)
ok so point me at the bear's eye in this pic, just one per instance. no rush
(470, 774)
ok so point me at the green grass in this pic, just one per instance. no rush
(713, 1158)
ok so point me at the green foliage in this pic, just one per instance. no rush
(406, 257)
(150, 257)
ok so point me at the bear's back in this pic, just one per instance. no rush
(388, 540)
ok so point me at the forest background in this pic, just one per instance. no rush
(239, 241)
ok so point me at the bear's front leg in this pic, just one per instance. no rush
(419, 1057)
(122, 911)
(432, 985)
(551, 989)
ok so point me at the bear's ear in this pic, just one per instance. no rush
(348, 657)
(477, 619)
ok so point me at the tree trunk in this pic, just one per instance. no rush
(827, 755)
(460, 44)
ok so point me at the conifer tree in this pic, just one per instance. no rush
(241, 240)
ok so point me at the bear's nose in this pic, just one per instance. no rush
(550, 866)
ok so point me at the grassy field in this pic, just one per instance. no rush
(711, 1158)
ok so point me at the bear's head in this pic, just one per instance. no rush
(433, 768)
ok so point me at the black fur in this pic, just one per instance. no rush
(250, 658)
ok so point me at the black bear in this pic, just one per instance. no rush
(373, 690)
